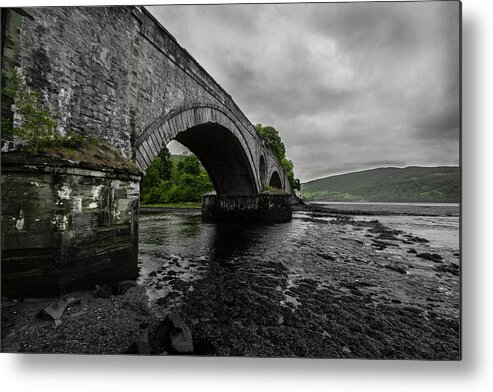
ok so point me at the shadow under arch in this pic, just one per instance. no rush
(216, 140)
(275, 180)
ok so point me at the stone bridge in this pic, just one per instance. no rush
(116, 73)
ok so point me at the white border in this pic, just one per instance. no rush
(118, 373)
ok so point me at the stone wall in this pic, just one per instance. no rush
(81, 58)
(65, 227)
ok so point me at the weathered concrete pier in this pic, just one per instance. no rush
(66, 227)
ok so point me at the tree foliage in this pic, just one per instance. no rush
(166, 182)
(189, 164)
(166, 166)
(271, 136)
(33, 123)
(273, 139)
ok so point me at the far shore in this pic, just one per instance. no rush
(155, 208)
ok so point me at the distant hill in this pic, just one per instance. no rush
(388, 184)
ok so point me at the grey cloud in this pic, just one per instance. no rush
(348, 85)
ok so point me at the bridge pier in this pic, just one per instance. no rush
(66, 227)
(268, 207)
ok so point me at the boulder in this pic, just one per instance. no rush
(55, 310)
(121, 288)
(396, 268)
(141, 345)
(436, 258)
(175, 335)
(103, 291)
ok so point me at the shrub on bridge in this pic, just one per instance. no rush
(33, 124)
(273, 139)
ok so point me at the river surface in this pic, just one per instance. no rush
(437, 222)
(322, 285)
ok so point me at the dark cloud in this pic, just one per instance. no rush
(349, 85)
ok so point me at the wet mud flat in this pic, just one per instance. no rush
(324, 285)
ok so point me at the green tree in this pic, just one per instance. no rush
(273, 139)
(33, 122)
(190, 164)
(186, 182)
(165, 164)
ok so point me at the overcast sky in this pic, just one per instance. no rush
(349, 86)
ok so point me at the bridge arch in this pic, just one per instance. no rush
(275, 180)
(216, 140)
(262, 168)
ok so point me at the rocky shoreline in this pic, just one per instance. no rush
(374, 292)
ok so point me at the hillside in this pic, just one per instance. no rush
(389, 184)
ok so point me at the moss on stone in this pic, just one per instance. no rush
(91, 152)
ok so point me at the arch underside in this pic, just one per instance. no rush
(214, 139)
(275, 180)
(222, 157)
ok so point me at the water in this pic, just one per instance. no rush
(309, 287)
(437, 222)
(429, 209)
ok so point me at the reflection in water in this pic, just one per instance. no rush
(187, 234)
(232, 240)
(224, 252)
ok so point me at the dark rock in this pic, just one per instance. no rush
(180, 285)
(175, 335)
(153, 273)
(413, 251)
(204, 347)
(278, 267)
(141, 345)
(55, 310)
(103, 291)
(140, 348)
(387, 236)
(436, 258)
(417, 239)
(382, 243)
(121, 288)
(164, 301)
(171, 273)
(396, 268)
(450, 268)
